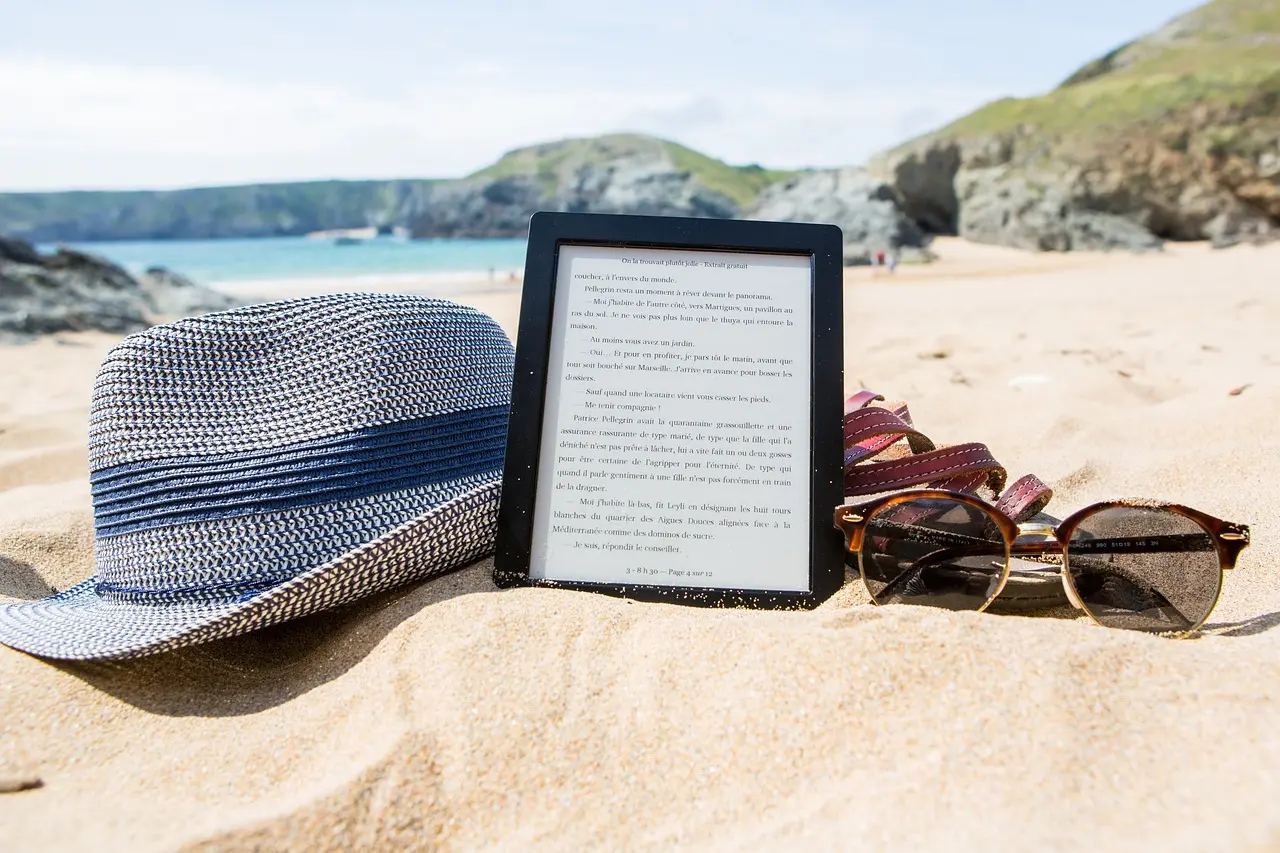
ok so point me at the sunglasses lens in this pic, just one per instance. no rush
(1144, 568)
(934, 551)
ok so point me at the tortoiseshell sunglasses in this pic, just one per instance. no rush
(1138, 565)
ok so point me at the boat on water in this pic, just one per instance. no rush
(356, 236)
(345, 236)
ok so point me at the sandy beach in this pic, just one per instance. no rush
(450, 715)
(445, 285)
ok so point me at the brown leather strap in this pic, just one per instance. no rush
(934, 467)
(875, 423)
(860, 400)
(1025, 498)
(970, 483)
(969, 468)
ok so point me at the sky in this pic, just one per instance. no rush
(138, 94)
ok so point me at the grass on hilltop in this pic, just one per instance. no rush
(550, 162)
(1224, 55)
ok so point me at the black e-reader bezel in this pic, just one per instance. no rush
(823, 244)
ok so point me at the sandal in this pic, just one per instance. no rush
(884, 452)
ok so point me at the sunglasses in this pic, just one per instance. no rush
(1136, 565)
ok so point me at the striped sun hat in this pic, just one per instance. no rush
(259, 464)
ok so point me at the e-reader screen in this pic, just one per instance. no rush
(676, 427)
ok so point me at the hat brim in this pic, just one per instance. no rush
(78, 624)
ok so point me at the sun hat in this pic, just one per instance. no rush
(259, 464)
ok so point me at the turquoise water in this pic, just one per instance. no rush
(211, 261)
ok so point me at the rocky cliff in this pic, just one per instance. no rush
(628, 173)
(621, 173)
(73, 291)
(256, 210)
(868, 211)
(1173, 136)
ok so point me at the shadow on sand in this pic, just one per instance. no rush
(271, 666)
(1244, 627)
(21, 581)
(268, 667)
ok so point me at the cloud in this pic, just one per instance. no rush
(78, 125)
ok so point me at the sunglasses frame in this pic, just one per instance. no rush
(1229, 538)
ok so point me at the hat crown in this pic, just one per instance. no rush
(271, 375)
(230, 452)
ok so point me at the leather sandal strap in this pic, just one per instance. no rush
(863, 399)
(934, 467)
(1025, 498)
(871, 430)
(968, 483)
(860, 400)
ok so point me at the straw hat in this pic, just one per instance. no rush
(263, 463)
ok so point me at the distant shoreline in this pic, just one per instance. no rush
(440, 284)
(258, 262)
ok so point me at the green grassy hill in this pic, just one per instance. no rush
(1177, 131)
(1223, 58)
(553, 162)
(260, 210)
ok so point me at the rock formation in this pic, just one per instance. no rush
(641, 175)
(1123, 155)
(866, 209)
(619, 173)
(624, 173)
(73, 291)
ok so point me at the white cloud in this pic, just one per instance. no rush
(77, 125)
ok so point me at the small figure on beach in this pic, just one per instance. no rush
(880, 257)
(893, 262)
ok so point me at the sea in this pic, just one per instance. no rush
(282, 258)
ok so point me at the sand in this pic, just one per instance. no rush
(450, 715)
